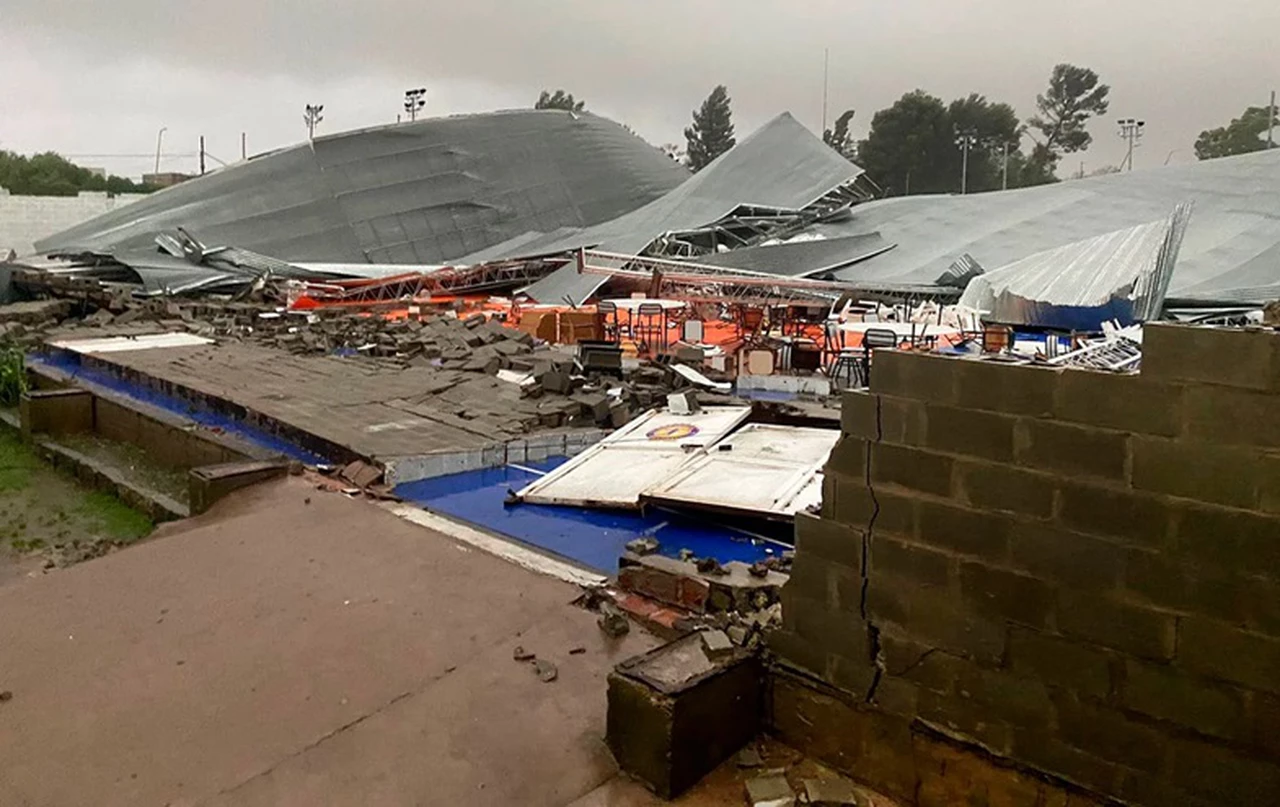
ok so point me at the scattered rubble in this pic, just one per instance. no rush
(770, 791)
(749, 757)
(547, 672)
(612, 621)
(520, 654)
(644, 546)
(832, 793)
(6, 696)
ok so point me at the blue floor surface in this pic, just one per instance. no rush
(70, 364)
(593, 538)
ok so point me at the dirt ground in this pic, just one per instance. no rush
(47, 517)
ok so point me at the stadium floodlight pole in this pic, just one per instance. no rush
(965, 139)
(312, 118)
(159, 140)
(1131, 130)
(1271, 122)
(414, 101)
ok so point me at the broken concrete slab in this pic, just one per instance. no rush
(832, 793)
(770, 791)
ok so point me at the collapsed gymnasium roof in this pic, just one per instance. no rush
(417, 193)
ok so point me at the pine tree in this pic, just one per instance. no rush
(712, 131)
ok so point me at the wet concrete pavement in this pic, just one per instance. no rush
(276, 651)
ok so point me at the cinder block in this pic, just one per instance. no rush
(1134, 518)
(911, 468)
(898, 697)
(829, 540)
(849, 501)
(1229, 416)
(1218, 650)
(1062, 662)
(838, 586)
(1074, 450)
(1232, 357)
(840, 633)
(1168, 694)
(970, 532)
(1017, 389)
(923, 665)
(1130, 403)
(669, 726)
(849, 457)
(1020, 701)
(1200, 471)
(1001, 594)
(920, 564)
(934, 616)
(1139, 631)
(985, 435)
(919, 376)
(1108, 734)
(860, 414)
(855, 675)
(988, 486)
(798, 652)
(1204, 590)
(886, 418)
(1066, 557)
(1228, 539)
(1224, 777)
(961, 716)
(1046, 751)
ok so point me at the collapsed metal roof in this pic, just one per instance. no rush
(1120, 276)
(417, 193)
(1231, 250)
(782, 167)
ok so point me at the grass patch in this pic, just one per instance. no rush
(113, 518)
(17, 463)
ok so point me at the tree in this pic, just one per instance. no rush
(910, 145)
(1074, 96)
(712, 131)
(993, 126)
(559, 100)
(839, 137)
(50, 174)
(1242, 136)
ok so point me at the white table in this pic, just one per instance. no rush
(633, 303)
(903, 330)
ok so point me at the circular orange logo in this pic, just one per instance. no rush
(676, 431)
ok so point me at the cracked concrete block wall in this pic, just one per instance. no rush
(1070, 572)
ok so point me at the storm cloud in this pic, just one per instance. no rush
(97, 80)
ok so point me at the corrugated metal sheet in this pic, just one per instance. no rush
(801, 258)
(416, 193)
(1231, 250)
(1122, 275)
(781, 167)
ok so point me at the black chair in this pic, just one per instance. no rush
(872, 339)
(609, 325)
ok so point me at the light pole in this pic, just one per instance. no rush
(414, 101)
(965, 139)
(1131, 130)
(312, 118)
(159, 140)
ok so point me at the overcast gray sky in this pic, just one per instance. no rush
(100, 77)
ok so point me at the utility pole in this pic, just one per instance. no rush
(202, 155)
(244, 148)
(826, 83)
(1271, 122)
(159, 140)
(966, 140)
(414, 101)
(1131, 130)
(1004, 172)
(312, 117)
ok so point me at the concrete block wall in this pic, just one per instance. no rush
(1075, 572)
(26, 219)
